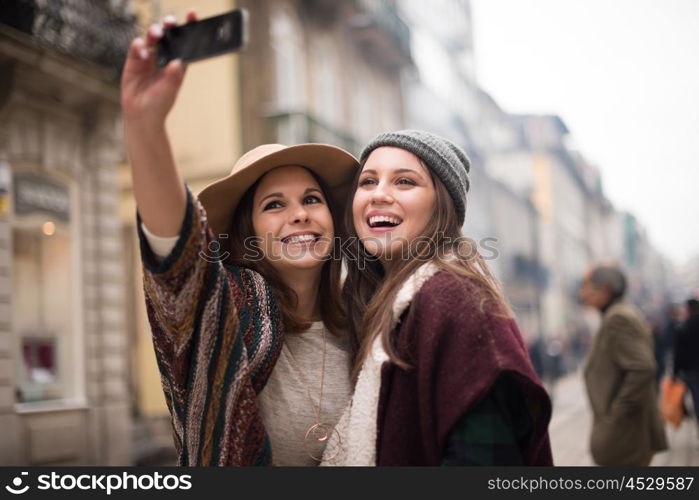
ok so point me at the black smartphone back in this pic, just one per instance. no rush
(208, 37)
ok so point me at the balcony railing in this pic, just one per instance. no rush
(98, 31)
(295, 127)
(378, 23)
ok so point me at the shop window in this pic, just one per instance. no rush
(39, 357)
(43, 289)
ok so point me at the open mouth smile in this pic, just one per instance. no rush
(301, 238)
(383, 222)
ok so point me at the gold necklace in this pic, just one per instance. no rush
(320, 432)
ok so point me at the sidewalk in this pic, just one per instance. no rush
(571, 422)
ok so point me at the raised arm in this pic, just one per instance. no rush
(216, 330)
(148, 94)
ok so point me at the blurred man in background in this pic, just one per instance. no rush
(620, 376)
(686, 359)
(665, 341)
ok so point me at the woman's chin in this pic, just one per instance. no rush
(302, 263)
(383, 253)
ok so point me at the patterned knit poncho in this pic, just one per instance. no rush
(217, 334)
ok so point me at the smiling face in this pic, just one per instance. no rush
(394, 201)
(290, 215)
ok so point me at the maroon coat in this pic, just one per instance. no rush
(457, 353)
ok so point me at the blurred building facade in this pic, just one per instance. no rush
(322, 71)
(63, 357)
(684, 280)
(561, 198)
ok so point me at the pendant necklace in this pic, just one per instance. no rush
(318, 432)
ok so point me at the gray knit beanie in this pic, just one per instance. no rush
(446, 160)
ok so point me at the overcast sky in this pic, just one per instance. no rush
(624, 76)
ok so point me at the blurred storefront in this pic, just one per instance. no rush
(63, 358)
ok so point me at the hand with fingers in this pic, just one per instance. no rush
(148, 92)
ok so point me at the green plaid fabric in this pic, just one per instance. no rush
(492, 432)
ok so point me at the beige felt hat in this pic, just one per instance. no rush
(334, 165)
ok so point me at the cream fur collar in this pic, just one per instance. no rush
(357, 426)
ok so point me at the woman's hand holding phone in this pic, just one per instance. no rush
(148, 92)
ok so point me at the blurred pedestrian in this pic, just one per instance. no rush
(537, 353)
(665, 340)
(686, 359)
(620, 376)
(659, 350)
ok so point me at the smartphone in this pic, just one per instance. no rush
(208, 37)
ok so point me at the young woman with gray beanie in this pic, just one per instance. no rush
(441, 372)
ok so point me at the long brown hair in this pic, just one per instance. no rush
(369, 291)
(332, 309)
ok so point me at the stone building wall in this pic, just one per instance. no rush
(60, 120)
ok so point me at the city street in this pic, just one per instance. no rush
(570, 429)
(524, 184)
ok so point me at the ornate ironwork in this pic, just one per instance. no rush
(98, 31)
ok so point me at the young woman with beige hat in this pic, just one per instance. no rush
(241, 285)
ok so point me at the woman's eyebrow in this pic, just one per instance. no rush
(406, 170)
(311, 190)
(271, 195)
(397, 171)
